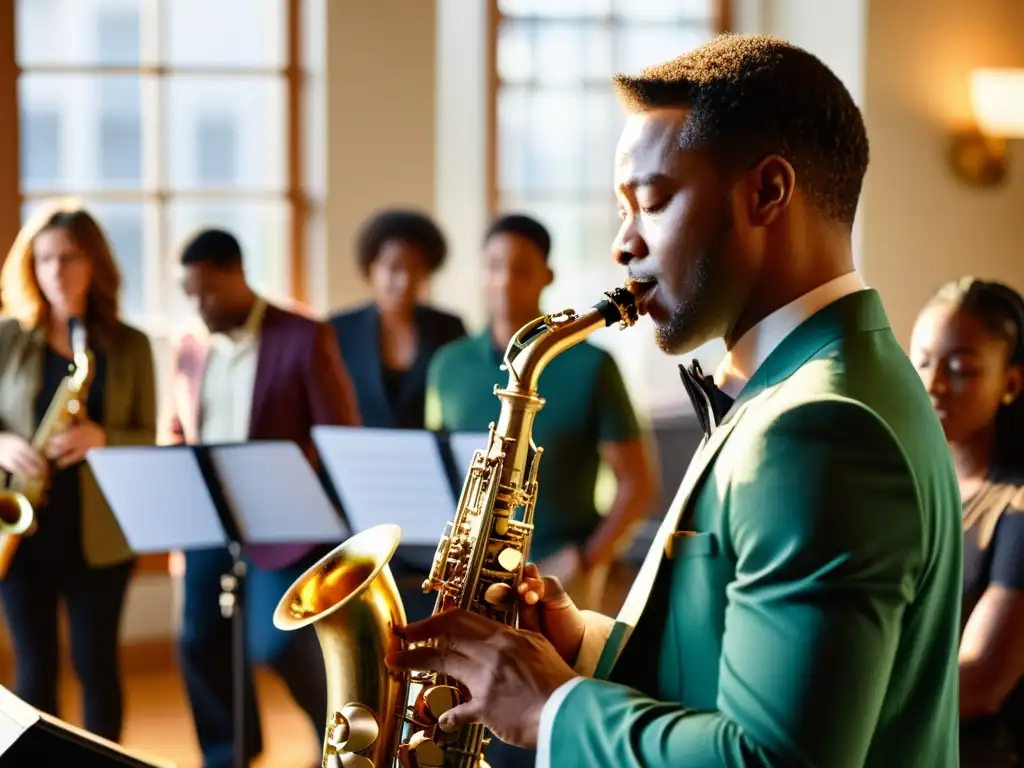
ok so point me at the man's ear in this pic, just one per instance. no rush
(549, 276)
(772, 182)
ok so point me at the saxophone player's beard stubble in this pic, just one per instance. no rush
(697, 315)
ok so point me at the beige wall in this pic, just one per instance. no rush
(921, 224)
(380, 129)
(906, 62)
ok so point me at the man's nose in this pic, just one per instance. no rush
(628, 244)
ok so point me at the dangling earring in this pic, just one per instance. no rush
(1008, 398)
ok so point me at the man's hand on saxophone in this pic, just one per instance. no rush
(509, 673)
(70, 446)
(548, 610)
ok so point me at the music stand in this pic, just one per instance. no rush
(200, 497)
(389, 475)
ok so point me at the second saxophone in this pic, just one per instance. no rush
(377, 719)
(19, 502)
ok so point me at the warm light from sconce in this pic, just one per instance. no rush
(997, 100)
(978, 155)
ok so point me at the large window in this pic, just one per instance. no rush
(558, 121)
(164, 116)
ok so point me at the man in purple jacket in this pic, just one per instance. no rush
(263, 373)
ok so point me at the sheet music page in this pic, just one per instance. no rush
(274, 494)
(158, 496)
(16, 717)
(464, 445)
(389, 476)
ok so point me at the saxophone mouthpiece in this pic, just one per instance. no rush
(619, 307)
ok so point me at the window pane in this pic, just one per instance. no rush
(235, 33)
(556, 8)
(226, 132)
(120, 131)
(81, 132)
(76, 32)
(126, 228)
(125, 225)
(41, 143)
(262, 230)
(216, 150)
(557, 142)
(640, 46)
(701, 11)
(554, 52)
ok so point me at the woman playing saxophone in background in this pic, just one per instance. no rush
(60, 272)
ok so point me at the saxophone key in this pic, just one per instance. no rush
(509, 559)
(500, 596)
(421, 752)
(435, 701)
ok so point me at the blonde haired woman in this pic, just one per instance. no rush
(59, 268)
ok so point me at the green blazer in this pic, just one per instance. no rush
(809, 614)
(129, 418)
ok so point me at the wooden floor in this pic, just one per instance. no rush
(158, 721)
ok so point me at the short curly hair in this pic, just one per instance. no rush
(752, 95)
(412, 227)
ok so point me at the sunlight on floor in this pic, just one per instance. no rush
(158, 722)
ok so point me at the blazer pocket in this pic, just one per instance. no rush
(691, 544)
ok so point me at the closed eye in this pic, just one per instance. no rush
(655, 205)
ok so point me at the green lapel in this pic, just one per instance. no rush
(856, 313)
(859, 312)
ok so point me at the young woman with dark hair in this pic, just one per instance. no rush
(968, 345)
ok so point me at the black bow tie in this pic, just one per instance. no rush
(709, 402)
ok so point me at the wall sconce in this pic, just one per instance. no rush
(979, 155)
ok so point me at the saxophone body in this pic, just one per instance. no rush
(24, 495)
(377, 719)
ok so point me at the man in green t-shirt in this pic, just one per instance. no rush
(587, 417)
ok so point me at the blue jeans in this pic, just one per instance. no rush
(206, 653)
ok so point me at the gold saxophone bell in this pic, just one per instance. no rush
(351, 599)
(16, 513)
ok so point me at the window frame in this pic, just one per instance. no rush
(294, 196)
(723, 23)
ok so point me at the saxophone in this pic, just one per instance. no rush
(377, 718)
(19, 502)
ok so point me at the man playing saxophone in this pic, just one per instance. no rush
(799, 604)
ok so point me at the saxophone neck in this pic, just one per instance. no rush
(81, 355)
(538, 342)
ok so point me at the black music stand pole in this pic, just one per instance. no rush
(232, 607)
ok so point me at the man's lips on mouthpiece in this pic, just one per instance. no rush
(643, 289)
